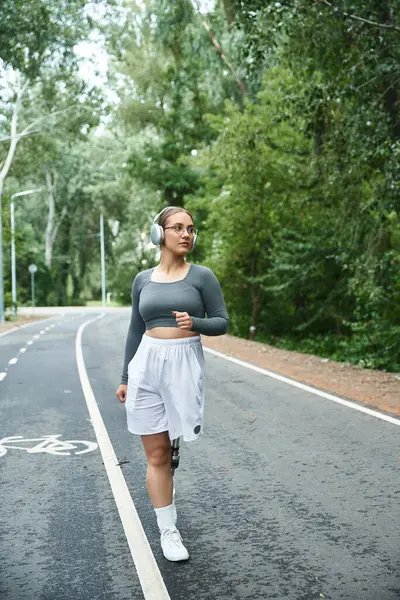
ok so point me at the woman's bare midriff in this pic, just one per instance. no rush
(169, 333)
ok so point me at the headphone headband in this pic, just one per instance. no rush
(162, 211)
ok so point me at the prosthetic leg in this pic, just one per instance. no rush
(175, 456)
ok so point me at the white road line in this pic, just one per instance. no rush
(3, 376)
(14, 329)
(29, 343)
(36, 337)
(10, 330)
(22, 350)
(42, 332)
(13, 361)
(307, 388)
(150, 578)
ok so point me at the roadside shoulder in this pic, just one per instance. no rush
(377, 389)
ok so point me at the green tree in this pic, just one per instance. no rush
(253, 171)
(347, 64)
(173, 78)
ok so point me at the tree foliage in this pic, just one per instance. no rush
(276, 123)
(41, 32)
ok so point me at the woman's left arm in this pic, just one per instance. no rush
(214, 304)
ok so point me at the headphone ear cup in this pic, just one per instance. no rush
(156, 234)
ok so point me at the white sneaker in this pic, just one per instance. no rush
(172, 545)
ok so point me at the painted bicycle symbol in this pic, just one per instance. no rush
(49, 444)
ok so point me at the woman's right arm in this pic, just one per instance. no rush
(136, 329)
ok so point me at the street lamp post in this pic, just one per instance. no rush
(13, 261)
(13, 269)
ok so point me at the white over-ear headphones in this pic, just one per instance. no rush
(157, 232)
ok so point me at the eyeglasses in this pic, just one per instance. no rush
(180, 229)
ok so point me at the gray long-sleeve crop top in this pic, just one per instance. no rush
(198, 294)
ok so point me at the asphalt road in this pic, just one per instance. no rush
(286, 495)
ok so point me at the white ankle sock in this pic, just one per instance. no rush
(165, 519)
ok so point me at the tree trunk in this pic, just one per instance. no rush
(229, 13)
(14, 137)
(256, 296)
(78, 274)
(76, 283)
(217, 46)
(50, 182)
(65, 265)
(52, 224)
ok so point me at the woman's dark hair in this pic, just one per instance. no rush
(171, 210)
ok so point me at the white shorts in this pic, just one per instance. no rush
(166, 388)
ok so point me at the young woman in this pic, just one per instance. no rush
(162, 381)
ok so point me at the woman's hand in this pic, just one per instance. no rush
(121, 392)
(183, 320)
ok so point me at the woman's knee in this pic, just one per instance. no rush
(158, 449)
(159, 456)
